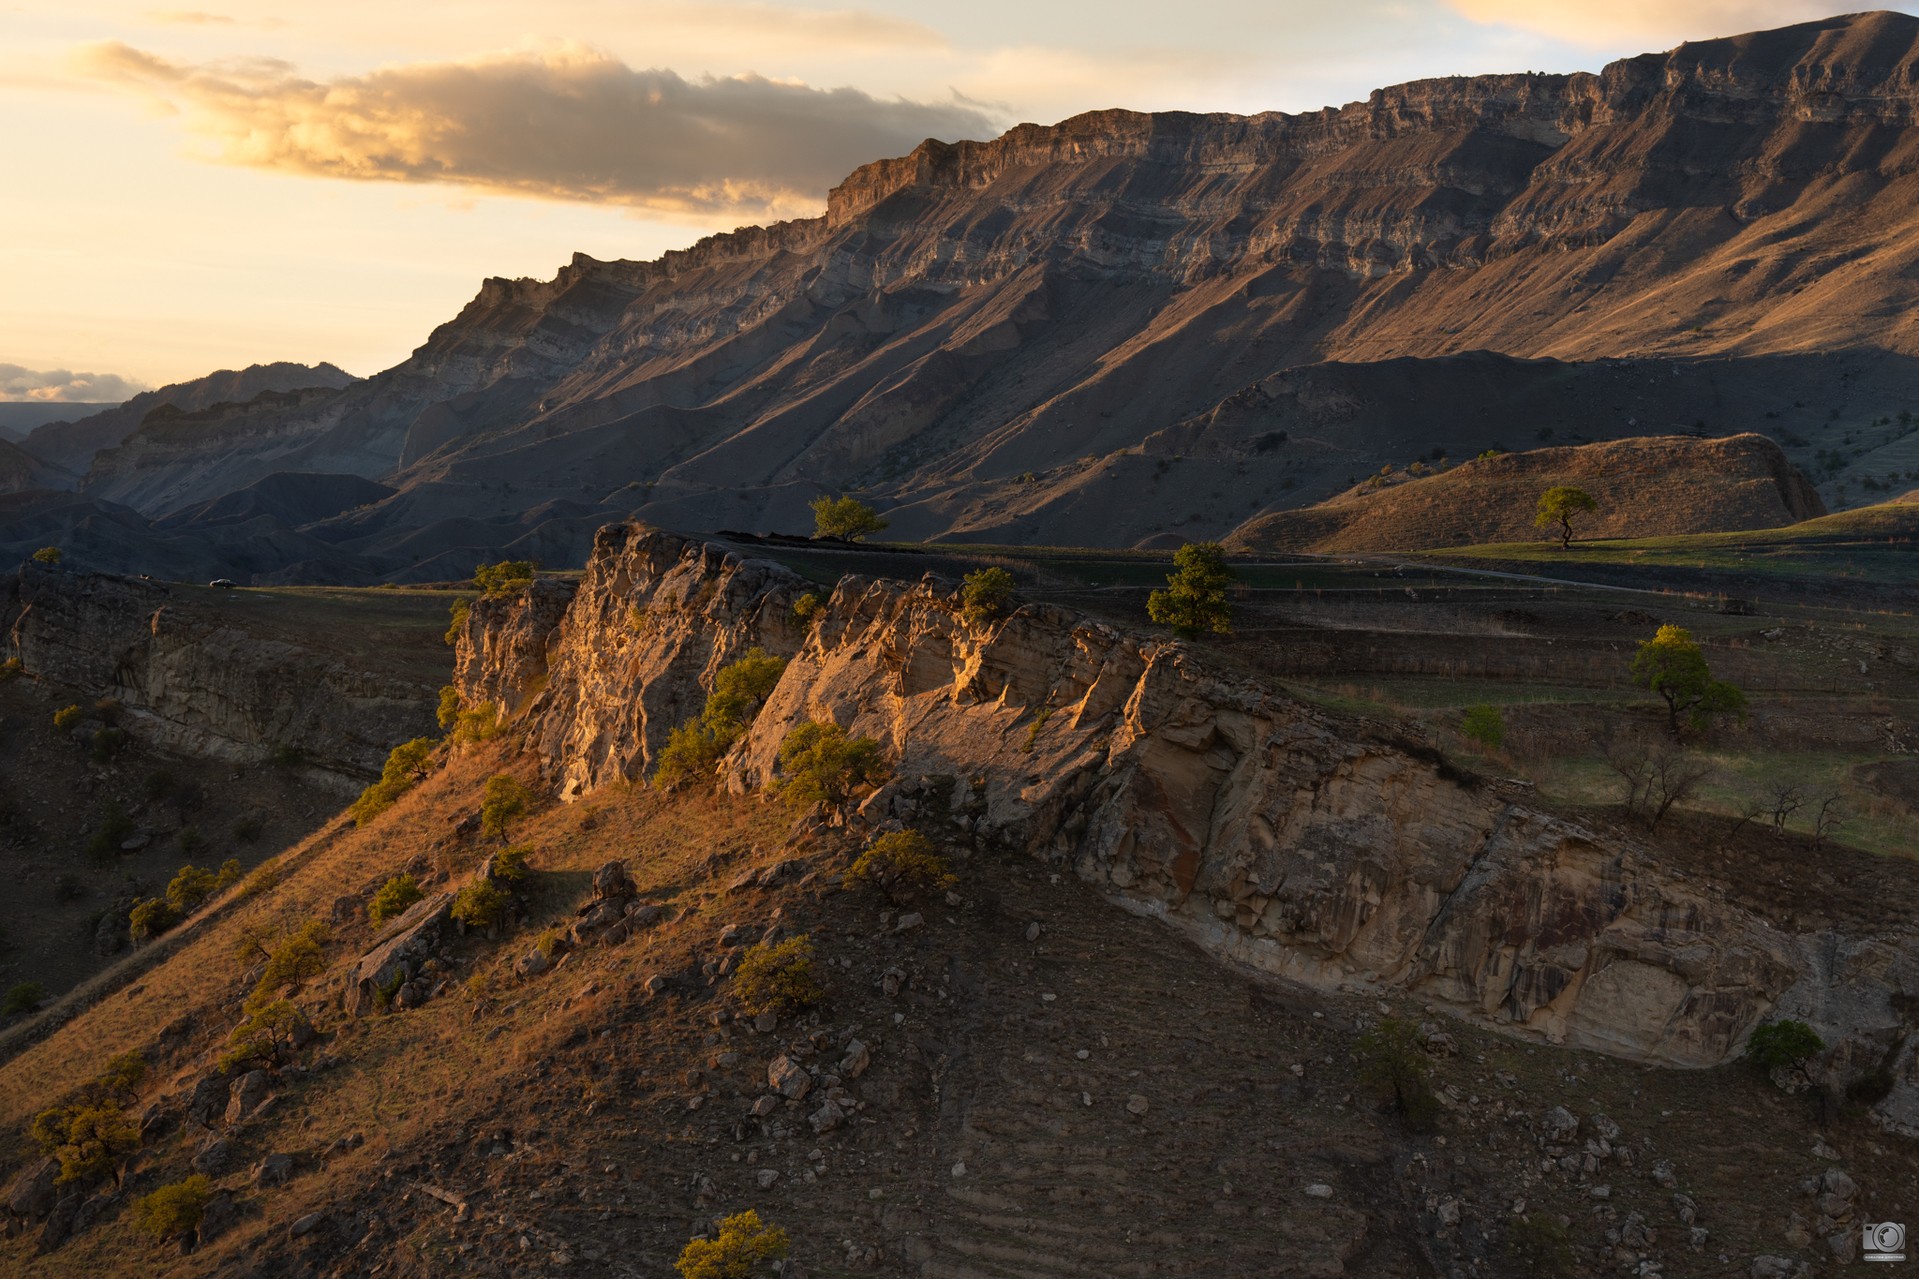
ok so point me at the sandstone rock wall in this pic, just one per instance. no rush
(194, 682)
(1273, 834)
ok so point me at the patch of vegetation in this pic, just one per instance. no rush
(405, 766)
(12, 668)
(393, 899)
(22, 997)
(477, 724)
(739, 690)
(67, 718)
(449, 709)
(508, 577)
(778, 978)
(48, 555)
(115, 829)
(192, 885)
(1785, 1046)
(456, 620)
(845, 518)
(904, 865)
(1484, 726)
(1393, 1063)
(481, 904)
(150, 917)
(173, 1210)
(266, 1037)
(806, 609)
(984, 595)
(504, 800)
(1673, 665)
(510, 864)
(1194, 600)
(822, 764)
(89, 1135)
(744, 1247)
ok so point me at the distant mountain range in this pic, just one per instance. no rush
(1121, 328)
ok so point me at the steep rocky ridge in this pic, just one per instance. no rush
(971, 329)
(1276, 835)
(208, 674)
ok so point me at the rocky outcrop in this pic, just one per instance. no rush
(205, 680)
(1272, 833)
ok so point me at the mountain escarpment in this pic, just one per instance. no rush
(1005, 340)
(1277, 836)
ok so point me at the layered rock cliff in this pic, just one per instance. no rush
(977, 334)
(1277, 836)
(197, 679)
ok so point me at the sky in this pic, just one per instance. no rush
(183, 190)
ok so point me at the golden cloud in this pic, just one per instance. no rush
(563, 123)
(66, 386)
(1632, 24)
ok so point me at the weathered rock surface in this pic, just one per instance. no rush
(397, 953)
(195, 680)
(1272, 833)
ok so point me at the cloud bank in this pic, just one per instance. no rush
(1650, 24)
(65, 386)
(566, 123)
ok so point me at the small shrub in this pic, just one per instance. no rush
(505, 799)
(1040, 717)
(67, 717)
(191, 885)
(230, 873)
(481, 904)
(22, 997)
(902, 864)
(173, 1210)
(297, 957)
(190, 840)
(393, 899)
(265, 1038)
(690, 753)
(404, 768)
(508, 577)
(87, 1138)
(823, 764)
(114, 830)
(806, 610)
(456, 620)
(639, 620)
(985, 594)
(739, 689)
(777, 978)
(1392, 1063)
(745, 1247)
(449, 711)
(48, 555)
(1784, 1046)
(477, 724)
(12, 668)
(107, 743)
(151, 917)
(1484, 726)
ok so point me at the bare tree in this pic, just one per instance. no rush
(1631, 758)
(1826, 820)
(1675, 777)
(1786, 800)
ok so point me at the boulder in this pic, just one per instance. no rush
(612, 883)
(212, 1157)
(274, 1170)
(31, 1194)
(209, 1100)
(245, 1095)
(788, 1078)
(856, 1059)
(397, 954)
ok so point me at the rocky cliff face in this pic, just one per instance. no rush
(194, 681)
(1273, 834)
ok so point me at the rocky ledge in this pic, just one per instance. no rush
(1315, 848)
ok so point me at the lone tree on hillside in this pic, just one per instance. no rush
(48, 555)
(1195, 596)
(846, 518)
(1558, 505)
(1672, 665)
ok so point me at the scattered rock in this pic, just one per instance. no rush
(1319, 1190)
(766, 1177)
(612, 883)
(1136, 1105)
(892, 981)
(306, 1225)
(909, 921)
(788, 1078)
(211, 1158)
(766, 1023)
(857, 1058)
(1562, 1125)
(828, 1117)
(765, 1106)
(532, 964)
(1033, 931)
